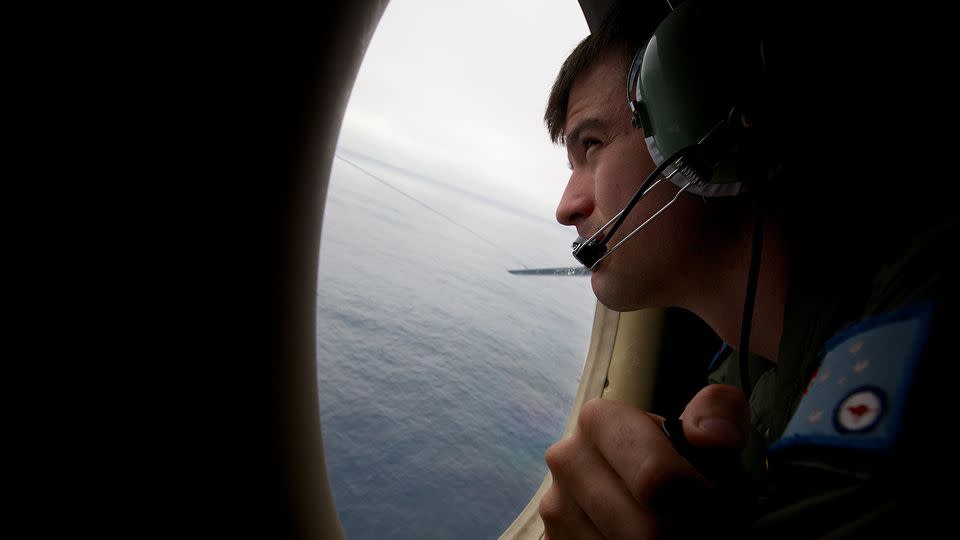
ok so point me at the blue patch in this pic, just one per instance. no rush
(856, 397)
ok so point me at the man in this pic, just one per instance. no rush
(834, 280)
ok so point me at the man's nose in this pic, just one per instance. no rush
(577, 202)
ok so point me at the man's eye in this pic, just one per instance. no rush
(588, 143)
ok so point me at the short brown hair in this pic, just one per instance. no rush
(626, 28)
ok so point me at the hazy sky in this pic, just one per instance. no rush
(455, 90)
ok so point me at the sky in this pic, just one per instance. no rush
(456, 91)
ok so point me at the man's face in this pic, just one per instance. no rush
(609, 161)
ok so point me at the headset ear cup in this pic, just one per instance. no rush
(701, 60)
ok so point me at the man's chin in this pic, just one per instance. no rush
(608, 294)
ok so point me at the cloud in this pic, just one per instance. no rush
(456, 92)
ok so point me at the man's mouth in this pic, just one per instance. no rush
(597, 237)
(583, 239)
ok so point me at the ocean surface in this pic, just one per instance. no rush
(443, 378)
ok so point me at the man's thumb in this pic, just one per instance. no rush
(719, 415)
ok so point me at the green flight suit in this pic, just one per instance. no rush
(840, 490)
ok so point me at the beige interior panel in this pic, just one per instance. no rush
(620, 364)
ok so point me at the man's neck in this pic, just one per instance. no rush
(721, 305)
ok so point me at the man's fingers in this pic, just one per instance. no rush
(719, 415)
(579, 469)
(621, 476)
(562, 518)
(634, 445)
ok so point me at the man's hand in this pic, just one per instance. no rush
(619, 476)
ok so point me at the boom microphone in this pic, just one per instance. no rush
(593, 250)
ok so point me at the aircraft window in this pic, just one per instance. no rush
(443, 377)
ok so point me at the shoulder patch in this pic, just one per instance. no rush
(856, 397)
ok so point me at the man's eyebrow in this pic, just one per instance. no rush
(586, 123)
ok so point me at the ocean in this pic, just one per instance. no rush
(443, 378)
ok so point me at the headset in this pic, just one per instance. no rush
(698, 90)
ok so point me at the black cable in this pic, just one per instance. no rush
(752, 278)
